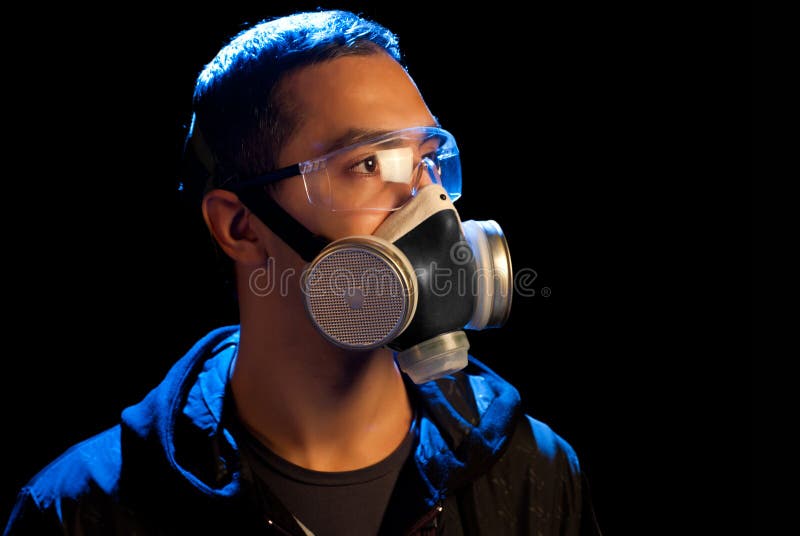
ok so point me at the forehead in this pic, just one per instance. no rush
(343, 97)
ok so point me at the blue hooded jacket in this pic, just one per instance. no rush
(480, 466)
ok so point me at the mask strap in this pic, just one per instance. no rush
(255, 198)
(304, 242)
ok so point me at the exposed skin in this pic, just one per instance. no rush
(315, 405)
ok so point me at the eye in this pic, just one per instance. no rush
(430, 147)
(367, 166)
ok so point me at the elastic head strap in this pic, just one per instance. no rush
(304, 242)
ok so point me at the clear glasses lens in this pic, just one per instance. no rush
(384, 173)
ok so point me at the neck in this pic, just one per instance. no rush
(312, 403)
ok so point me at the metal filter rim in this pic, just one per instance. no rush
(396, 261)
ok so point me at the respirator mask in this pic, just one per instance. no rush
(422, 277)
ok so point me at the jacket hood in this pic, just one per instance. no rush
(465, 421)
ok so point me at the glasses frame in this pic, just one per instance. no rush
(313, 164)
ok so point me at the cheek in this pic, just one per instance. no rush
(291, 195)
(340, 224)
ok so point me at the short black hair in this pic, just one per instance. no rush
(241, 118)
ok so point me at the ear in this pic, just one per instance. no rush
(230, 223)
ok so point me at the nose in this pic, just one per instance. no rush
(427, 174)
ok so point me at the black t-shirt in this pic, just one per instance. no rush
(329, 503)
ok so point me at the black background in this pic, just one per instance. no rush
(609, 143)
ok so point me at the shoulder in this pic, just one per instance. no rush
(536, 455)
(89, 469)
(547, 447)
(530, 439)
(91, 464)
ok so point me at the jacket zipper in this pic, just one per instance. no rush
(271, 524)
(428, 523)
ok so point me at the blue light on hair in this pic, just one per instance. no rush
(238, 108)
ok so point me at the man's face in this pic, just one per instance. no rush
(333, 100)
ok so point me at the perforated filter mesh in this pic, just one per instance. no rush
(356, 298)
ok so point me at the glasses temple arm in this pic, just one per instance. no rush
(266, 178)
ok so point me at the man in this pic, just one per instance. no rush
(333, 408)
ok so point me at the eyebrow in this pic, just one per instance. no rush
(355, 135)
